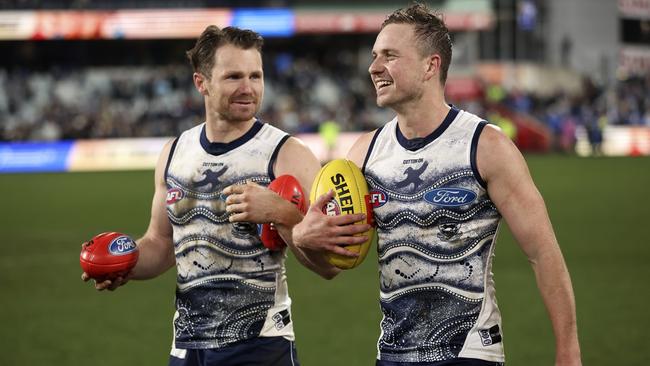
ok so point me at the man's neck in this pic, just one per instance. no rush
(223, 131)
(422, 119)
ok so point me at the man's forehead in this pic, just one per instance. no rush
(231, 51)
(235, 57)
(393, 36)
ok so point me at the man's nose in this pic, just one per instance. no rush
(375, 66)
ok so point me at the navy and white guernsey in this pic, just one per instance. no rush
(229, 286)
(436, 227)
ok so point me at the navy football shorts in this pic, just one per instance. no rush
(455, 362)
(262, 351)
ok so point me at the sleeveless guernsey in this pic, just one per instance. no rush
(230, 288)
(436, 227)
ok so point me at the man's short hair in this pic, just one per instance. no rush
(431, 32)
(202, 55)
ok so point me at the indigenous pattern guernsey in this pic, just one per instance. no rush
(436, 227)
(229, 286)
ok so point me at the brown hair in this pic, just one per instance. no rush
(431, 32)
(202, 55)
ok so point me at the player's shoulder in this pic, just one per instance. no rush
(164, 159)
(193, 131)
(270, 128)
(295, 145)
(466, 120)
(493, 138)
(496, 153)
(167, 148)
(359, 148)
(297, 159)
(295, 152)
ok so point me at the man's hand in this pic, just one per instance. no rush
(252, 203)
(110, 285)
(320, 232)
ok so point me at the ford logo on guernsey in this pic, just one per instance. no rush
(450, 196)
(121, 245)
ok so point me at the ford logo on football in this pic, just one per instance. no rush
(121, 245)
(450, 196)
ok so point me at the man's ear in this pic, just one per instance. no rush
(200, 82)
(433, 63)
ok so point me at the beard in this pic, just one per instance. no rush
(230, 110)
(240, 114)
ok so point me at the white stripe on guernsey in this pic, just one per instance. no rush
(407, 248)
(222, 249)
(176, 352)
(468, 295)
(262, 285)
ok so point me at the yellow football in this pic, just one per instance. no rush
(350, 197)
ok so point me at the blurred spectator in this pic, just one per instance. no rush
(302, 93)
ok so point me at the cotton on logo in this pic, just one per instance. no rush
(378, 198)
(174, 195)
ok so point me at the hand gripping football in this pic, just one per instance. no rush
(288, 188)
(108, 256)
(350, 197)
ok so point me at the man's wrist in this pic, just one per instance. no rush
(287, 215)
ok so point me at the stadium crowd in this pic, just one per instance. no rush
(302, 93)
(162, 101)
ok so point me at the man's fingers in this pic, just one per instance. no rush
(101, 286)
(236, 207)
(85, 277)
(238, 217)
(322, 200)
(342, 251)
(238, 188)
(351, 240)
(352, 229)
(117, 282)
(235, 188)
(232, 199)
(347, 219)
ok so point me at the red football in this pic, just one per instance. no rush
(108, 255)
(288, 188)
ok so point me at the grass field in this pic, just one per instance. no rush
(600, 209)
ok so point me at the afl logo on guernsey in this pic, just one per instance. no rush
(450, 196)
(121, 245)
(174, 195)
(378, 198)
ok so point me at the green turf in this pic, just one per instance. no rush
(600, 209)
